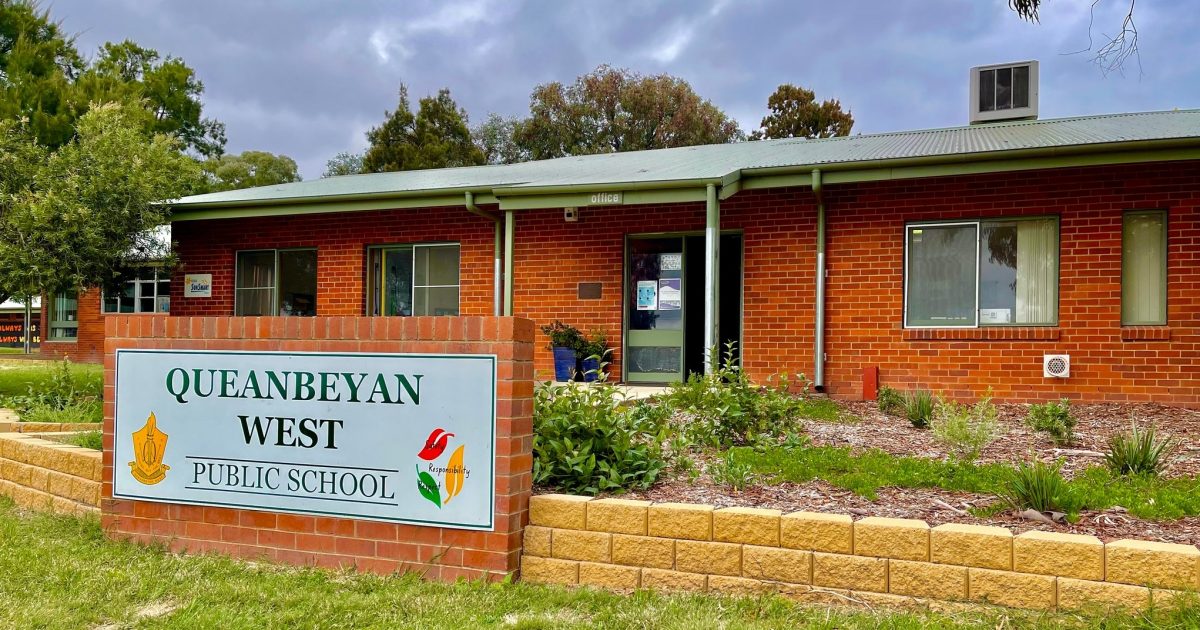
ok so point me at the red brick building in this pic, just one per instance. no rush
(953, 259)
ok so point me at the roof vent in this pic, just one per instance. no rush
(1007, 91)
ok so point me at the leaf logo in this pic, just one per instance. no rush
(435, 445)
(454, 474)
(428, 487)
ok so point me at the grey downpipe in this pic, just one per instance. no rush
(499, 229)
(819, 323)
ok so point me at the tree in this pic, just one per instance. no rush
(344, 163)
(248, 169)
(38, 64)
(437, 136)
(1114, 53)
(795, 113)
(79, 215)
(495, 137)
(610, 110)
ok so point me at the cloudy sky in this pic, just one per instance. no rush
(308, 78)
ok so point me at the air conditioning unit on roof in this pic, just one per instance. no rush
(1056, 365)
(1007, 91)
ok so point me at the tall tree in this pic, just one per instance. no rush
(612, 109)
(495, 137)
(38, 65)
(795, 113)
(437, 136)
(344, 163)
(248, 169)
(81, 214)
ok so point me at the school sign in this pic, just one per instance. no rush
(402, 438)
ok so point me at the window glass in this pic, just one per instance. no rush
(1018, 272)
(987, 90)
(1004, 78)
(1020, 86)
(1144, 269)
(436, 265)
(64, 316)
(298, 282)
(255, 283)
(413, 280)
(941, 275)
(145, 292)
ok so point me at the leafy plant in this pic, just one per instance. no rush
(730, 472)
(77, 412)
(890, 400)
(588, 440)
(918, 407)
(593, 346)
(88, 439)
(1139, 452)
(965, 431)
(1037, 485)
(65, 395)
(564, 336)
(1054, 418)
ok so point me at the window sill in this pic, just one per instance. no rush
(1145, 333)
(990, 333)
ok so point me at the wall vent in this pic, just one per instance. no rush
(1056, 365)
(1006, 91)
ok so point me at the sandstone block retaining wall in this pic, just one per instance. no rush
(625, 544)
(43, 475)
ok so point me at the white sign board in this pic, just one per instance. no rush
(197, 285)
(391, 437)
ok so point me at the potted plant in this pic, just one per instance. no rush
(592, 352)
(565, 343)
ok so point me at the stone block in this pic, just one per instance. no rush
(855, 573)
(774, 563)
(619, 516)
(1017, 590)
(817, 531)
(1067, 555)
(1145, 563)
(561, 511)
(713, 558)
(971, 546)
(643, 551)
(1086, 595)
(900, 538)
(572, 544)
(549, 570)
(740, 587)
(537, 541)
(681, 520)
(665, 580)
(925, 579)
(609, 576)
(749, 526)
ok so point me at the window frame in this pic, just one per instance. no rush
(138, 296)
(52, 324)
(376, 302)
(978, 223)
(275, 305)
(1166, 256)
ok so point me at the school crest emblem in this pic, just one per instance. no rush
(149, 448)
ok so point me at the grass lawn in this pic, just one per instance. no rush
(60, 572)
(16, 375)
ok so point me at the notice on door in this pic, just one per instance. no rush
(389, 437)
(670, 294)
(647, 295)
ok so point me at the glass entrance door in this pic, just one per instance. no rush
(655, 306)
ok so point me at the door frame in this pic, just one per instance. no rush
(625, 291)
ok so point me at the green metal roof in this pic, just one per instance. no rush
(726, 163)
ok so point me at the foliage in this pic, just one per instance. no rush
(1054, 418)
(594, 345)
(20, 377)
(964, 430)
(795, 113)
(344, 163)
(890, 400)
(88, 439)
(725, 408)
(564, 336)
(918, 407)
(1038, 486)
(611, 110)
(75, 412)
(38, 65)
(436, 136)
(587, 440)
(1139, 452)
(89, 210)
(731, 472)
(65, 394)
(248, 169)
(494, 137)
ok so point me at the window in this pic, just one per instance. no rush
(145, 292)
(972, 273)
(1144, 269)
(413, 279)
(64, 317)
(1003, 88)
(276, 282)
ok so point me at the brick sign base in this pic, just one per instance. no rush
(437, 553)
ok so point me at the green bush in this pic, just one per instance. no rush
(88, 439)
(890, 400)
(65, 394)
(1054, 418)
(77, 412)
(1038, 486)
(730, 472)
(918, 407)
(965, 431)
(1139, 452)
(725, 408)
(587, 440)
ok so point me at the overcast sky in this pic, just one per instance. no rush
(308, 78)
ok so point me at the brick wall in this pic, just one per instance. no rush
(827, 558)
(88, 346)
(436, 553)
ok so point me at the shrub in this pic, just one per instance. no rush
(66, 395)
(1139, 452)
(1038, 486)
(1054, 418)
(890, 400)
(88, 439)
(587, 440)
(77, 412)
(729, 472)
(564, 336)
(918, 407)
(965, 431)
(726, 409)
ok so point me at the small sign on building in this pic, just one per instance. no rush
(197, 285)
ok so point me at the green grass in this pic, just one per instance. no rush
(865, 472)
(88, 439)
(60, 572)
(824, 410)
(16, 376)
(6, 350)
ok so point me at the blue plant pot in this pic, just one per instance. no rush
(564, 364)
(591, 370)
